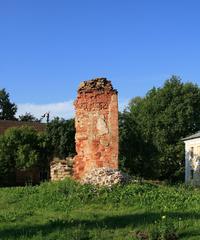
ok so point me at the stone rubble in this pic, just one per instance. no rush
(105, 177)
(97, 84)
(61, 168)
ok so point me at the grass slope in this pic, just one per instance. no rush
(68, 210)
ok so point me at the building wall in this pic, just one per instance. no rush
(5, 124)
(28, 176)
(33, 175)
(192, 161)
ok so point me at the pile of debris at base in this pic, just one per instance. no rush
(100, 84)
(105, 177)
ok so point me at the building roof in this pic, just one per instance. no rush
(5, 124)
(196, 135)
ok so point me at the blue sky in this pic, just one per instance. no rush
(47, 47)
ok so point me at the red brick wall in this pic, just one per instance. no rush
(96, 127)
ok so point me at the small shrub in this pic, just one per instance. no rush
(164, 229)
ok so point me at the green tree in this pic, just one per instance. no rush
(135, 155)
(163, 117)
(7, 109)
(61, 135)
(28, 117)
(20, 149)
(7, 164)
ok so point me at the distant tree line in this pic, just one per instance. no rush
(150, 132)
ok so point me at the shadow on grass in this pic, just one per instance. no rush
(190, 233)
(112, 222)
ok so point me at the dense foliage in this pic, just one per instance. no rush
(68, 210)
(20, 149)
(24, 148)
(7, 109)
(136, 155)
(154, 125)
(61, 135)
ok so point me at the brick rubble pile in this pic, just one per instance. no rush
(97, 84)
(105, 177)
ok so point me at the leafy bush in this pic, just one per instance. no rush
(61, 136)
(164, 229)
(20, 149)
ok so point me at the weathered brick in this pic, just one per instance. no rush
(96, 124)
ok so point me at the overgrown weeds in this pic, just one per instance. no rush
(69, 210)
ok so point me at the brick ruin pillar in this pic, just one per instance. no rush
(96, 123)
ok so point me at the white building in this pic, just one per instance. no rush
(192, 159)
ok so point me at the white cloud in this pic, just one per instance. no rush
(60, 109)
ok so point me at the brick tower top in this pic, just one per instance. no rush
(97, 84)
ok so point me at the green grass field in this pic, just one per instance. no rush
(68, 210)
